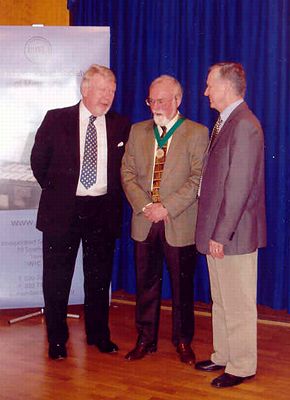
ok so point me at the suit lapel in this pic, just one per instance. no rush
(110, 128)
(147, 150)
(71, 125)
(232, 116)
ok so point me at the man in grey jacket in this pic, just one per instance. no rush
(231, 224)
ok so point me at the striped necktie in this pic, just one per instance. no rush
(215, 131)
(160, 158)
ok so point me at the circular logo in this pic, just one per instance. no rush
(38, 50)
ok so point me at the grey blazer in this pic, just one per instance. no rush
(179, 182)
(232, 199)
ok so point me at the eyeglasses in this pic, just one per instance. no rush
(159, 102)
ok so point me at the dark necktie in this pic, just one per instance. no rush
(213, 136)
(89, 167)
(160, 159)
(215, 131)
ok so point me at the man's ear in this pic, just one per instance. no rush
(178, 99)
(229, 86)
(84, 91)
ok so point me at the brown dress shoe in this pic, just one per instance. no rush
(140, 351)
(208, 366)
(185, 353)
(229, 380)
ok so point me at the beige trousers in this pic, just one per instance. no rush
(233, 282)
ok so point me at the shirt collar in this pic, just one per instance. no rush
(84, 112)
(227, 111)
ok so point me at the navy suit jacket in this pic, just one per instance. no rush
(55, 162)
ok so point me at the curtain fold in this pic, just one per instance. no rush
(183, 38)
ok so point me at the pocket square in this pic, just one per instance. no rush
(120, 144)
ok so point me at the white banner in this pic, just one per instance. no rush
(40, 69)
(21, 262)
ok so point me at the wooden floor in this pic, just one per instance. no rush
(27, 373)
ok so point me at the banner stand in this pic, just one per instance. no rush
(35, 314)
(40, 69)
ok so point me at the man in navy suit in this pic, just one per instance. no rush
(80, 202)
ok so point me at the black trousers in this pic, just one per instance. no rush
(89, 226)
(181, 261)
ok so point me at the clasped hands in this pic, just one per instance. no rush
(156, 212)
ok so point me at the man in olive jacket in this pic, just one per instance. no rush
(164, 217)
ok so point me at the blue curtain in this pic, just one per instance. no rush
(183, 38)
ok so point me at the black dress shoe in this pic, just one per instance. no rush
(185, 353)
(106, 346)
(57, 351)
(208, 366)
(228, 380)
(140, 351)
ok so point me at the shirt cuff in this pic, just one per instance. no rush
(143, 209)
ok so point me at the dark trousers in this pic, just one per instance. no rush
(90, 227)
(181, 261)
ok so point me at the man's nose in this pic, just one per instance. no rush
(155, 105)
